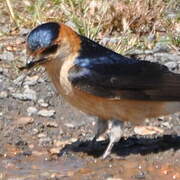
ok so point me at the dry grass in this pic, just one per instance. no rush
(127, 21)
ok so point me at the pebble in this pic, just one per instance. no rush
(3, 94)
(18, 81)
(28, 94)
(101, 138)
(52, 124)
(161, 47)
(167, 57)
(7, 56)
(172, 15)
(6, 71)
(106, 40)
(31, 80)
(35, 131)
(46, 113)
(45, 141)
(42, 135)
(69, 125)
(31, 110)
(59, 143)
(55, 150)
(147, 130)
(25, 120)
(24, 31)
(20, 40)
(167, 124)
(42, 103)
(22, 57)
(113, 178)
(172, 65)
(4, 29)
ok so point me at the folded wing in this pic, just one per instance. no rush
(115, 76)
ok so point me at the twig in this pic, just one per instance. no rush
(11, 11)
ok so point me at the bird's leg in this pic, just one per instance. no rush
(115, 133)
(101, 127)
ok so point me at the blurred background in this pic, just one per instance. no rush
(119, 24)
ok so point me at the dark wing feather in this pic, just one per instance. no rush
(115, 76)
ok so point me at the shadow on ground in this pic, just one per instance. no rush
(132, 145)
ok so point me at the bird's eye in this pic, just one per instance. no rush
(50, 50)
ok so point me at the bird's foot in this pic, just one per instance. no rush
(115, 133)
(101, 127)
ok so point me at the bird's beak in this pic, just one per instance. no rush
(32, 62)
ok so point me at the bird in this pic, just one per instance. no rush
(100, 82)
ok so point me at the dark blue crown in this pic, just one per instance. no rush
(43, 35)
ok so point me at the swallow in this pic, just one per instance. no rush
(100, 82)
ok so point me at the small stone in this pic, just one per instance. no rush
(28, 94)
(46, 113)
(140, 175)
(147, 130)
(69, 125)
(39, 153)
(31, 111)
(52, 124)
(31, 80)
(20, 40)
(101, 138)
(55, 150)
(45, 141)
(35, 131)
(59, 143)
(7, 56)
(4, 29)
(161, 47)
(167, 124)
(172, 15)
(25, 120)
(10, 48)
(113, 178)
(4, 71)
(42, 103)
(19, 80)
(171, 65)
(24, 31)
(42, 135)
(111, 40)
(73, 140)
(3, 94)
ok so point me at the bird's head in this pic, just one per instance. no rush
(50, 41)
